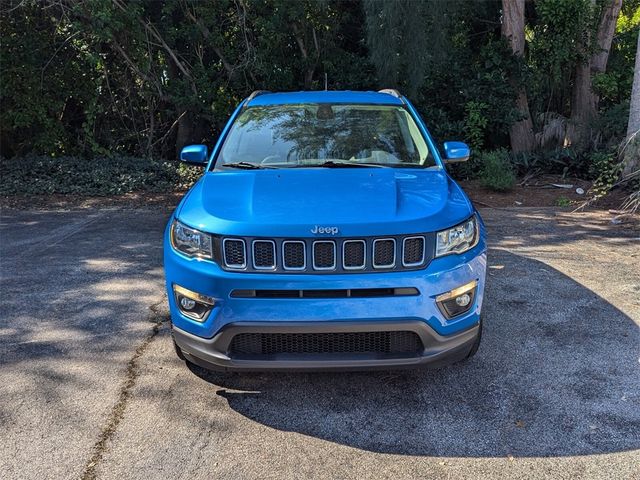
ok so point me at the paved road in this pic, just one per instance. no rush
(90, 386)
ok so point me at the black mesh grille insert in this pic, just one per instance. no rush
(234, 253)
(384, 252)
(354, 254)
(401, 342)
(264, 254)
(324, 255)
(294, 255)
(413, 251)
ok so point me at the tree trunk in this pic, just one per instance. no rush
(584, 102)
(632, 152)
(521, 132)
(634, 110)
(583, 106)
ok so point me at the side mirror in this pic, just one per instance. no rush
(194, 155)
(456, 152)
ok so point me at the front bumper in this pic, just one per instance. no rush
(445, 340)
(213, 353)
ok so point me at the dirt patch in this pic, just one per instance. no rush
(544, 191)
(538, 192)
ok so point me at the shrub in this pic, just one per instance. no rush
(564, 161)
(497, 171)
(605, 170)
(99, 176)
(468, 170)
(475, 123)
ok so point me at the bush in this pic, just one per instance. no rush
(99, 176)
(497, 171)
(564, 161)
(605, 170)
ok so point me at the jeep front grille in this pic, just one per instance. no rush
(335, 255)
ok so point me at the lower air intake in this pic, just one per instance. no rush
(392, 342)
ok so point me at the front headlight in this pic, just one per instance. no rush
(191, 242)
(458, 239)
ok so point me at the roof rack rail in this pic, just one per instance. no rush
(255, 94)
(393, 92)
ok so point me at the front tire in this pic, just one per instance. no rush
(476, 344)
(178, 351)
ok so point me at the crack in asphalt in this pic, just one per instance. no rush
(131, 375)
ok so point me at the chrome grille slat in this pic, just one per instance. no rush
(294, 255)
(264, 254)
(384, 253)
(235, 253)
(354, 254)
(324, 255)
(413, 250)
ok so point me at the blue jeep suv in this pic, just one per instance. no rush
(325, 234)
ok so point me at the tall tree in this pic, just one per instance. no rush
(521, 132)
(406, 37)
(632, 156)
(584, 101)
(398, 42)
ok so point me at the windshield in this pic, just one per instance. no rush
(326, 135)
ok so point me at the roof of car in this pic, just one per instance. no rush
(324, 96)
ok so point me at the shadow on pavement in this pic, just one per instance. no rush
(557, 374)
(76, 291)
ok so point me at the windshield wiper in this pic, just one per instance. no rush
(334, 164)
(245, 165)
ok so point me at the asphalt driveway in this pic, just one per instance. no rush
(90, 386)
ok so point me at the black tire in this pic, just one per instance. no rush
(178, 351)
(476, 344)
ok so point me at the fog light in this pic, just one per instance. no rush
(457, 301)
(193, 304)
(463, 300)
(187, 303)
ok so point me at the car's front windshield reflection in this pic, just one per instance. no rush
(329, 135)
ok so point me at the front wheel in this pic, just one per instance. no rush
(178, 350)
(476, 344)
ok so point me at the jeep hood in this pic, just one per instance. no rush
(358, 201)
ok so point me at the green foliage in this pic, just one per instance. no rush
(475, 123)
(405, 38)
(497, 173)
(612, 123)
(45, 84)
(563, 202)
(605, 169)
(564, 161)
(100, 176)
(96, 78)
(556, 36)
